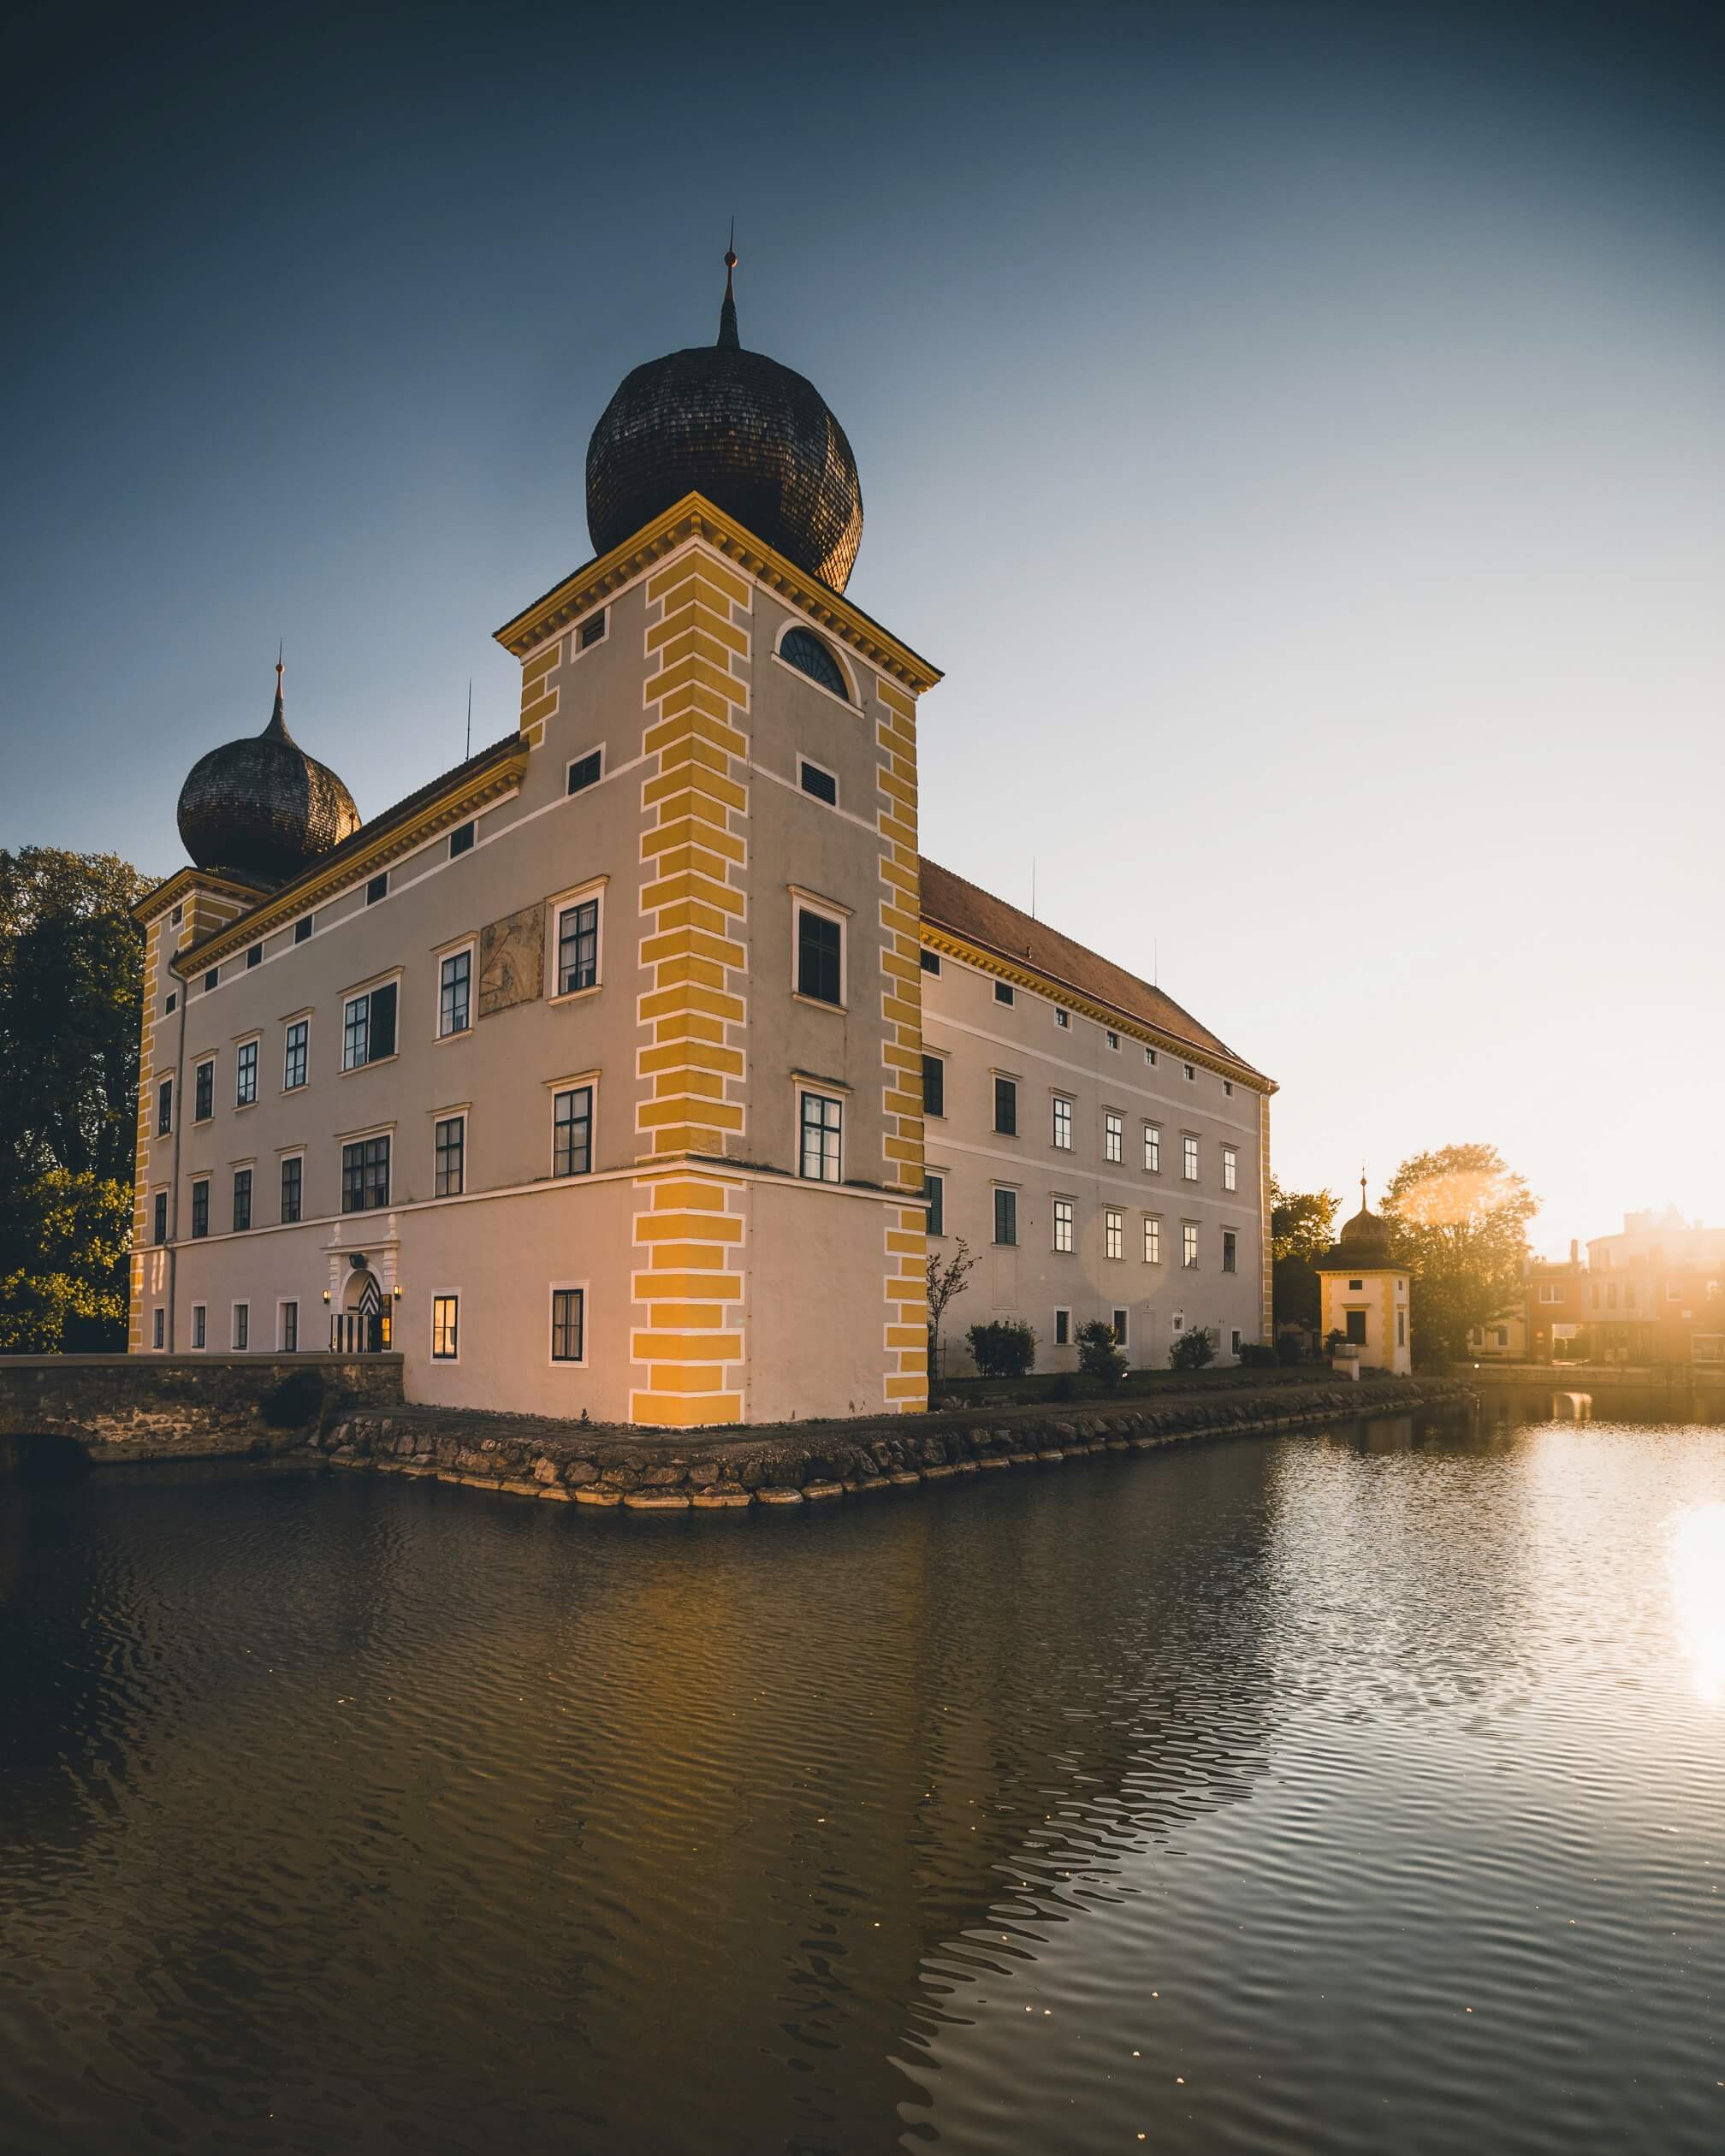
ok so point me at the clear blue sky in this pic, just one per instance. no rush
(1299, 432)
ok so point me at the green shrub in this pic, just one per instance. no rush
(1192, 1351)
(1255, 1355)
(1288, 1348)
(1100, 1355)
(1005, 1348)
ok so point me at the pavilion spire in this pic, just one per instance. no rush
(728, 341)
(278, 721)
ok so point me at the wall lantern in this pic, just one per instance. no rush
(398, 1292)
(326, 1295)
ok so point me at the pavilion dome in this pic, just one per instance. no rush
(1365, 1240)
(261, 807)
(754, 437)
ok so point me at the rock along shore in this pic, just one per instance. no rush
(799, 1464)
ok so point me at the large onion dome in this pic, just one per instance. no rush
(752, 436)
(261, 807)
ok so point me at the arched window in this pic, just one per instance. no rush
(811, 656)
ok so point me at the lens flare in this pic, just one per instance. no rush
(1697, 1590)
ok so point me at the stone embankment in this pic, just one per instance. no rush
(824, 1463)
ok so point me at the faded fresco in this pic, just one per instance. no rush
(512, 960)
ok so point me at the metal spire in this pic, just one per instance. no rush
(1364, 1208)
(278, 724)
(727, 313)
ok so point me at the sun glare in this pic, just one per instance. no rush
(1697, 1589)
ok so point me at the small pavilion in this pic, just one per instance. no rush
(1365, 1294)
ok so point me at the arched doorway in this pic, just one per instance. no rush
(361, 1326)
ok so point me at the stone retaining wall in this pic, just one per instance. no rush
(822, 1463)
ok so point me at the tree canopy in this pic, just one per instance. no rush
(71, 991)
(1458, 1220)
(1301, 1228)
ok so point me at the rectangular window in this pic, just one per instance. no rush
(295, 1052)
(1189, 1246)
(1233, 1341)
(1191, 1168)
(245, 1075)
(572, 1132)
(1549, 1292)
(1228, 1087)
(161, 1217)
(934, 1086)
(159, 1334)
(592, 630)
(577, 947)
(568, 1324)
(172, 1004)
(931, 962)
(1063, 1328)
(200, 1207)
(586, 771)
(1111, 1038)
(461, 839)
(1005, 1216)
(290, 1328)
(1064, 1220)
(366, 1175)
(1356, 1327)
(1191, 1075)
(368, 1028)
(934, 1193)
(450, 1178)
(210, 980)
(1153, 1241)
(1062, 1019)
(1119, 1328)
(164, 1108)
(254, 956)
(242, 1325)
(378, 888)
(821, 783)
(1063, 1124)
(302, 928)
(820, 956)
(1152, 1149)
(1113, 1136)
(1003, 993)
(454, 993)
(1006, 1107)
(1150, 1057)
(1230, 1168)
(445, 1328)
(822, 1133)
(203, 1092)
(1401, 1329)
(242, 1200)
(1231, 1250)
(200, 1325)
(292, 1189)
(1113, 1232)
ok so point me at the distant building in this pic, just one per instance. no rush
(1652, 1294)
(1365, 1293)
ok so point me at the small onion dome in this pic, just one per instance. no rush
(752, 436)
(1363, 1245)
(263, 807)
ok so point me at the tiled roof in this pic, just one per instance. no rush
(950, 902)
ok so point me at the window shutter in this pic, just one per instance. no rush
(383, 1023)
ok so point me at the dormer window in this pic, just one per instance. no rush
(811, 656)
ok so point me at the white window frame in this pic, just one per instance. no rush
(932, 1176)
(836, 1097)
(1152, 1149)
(1017, 1192)
(1550, 1292)
(1063, 1310)
(1233, 1235)
(825, 772)
(1152, 1239)
(853, 702)
(298, 1018)
(234, 1310)
(829, 909)
(199, 1346)
(1111, 1038)
(1191, 1162)
(198, 1064)
(439, 1118)
(1114, 1233)
(255, 1042)
(1189, 1246)
(1150, 1057)
(1063, 1020)
(367, 989)
(591, 891)
(1114, 1136)
(583, 1288)
(1065, 1215)
(572, 793)
(1191, 1073)
(1056, 1121)
(442, 1294)
(469, 946)
(1230, 1168)
(583, 1080)
(290, 1152)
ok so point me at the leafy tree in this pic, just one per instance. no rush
(1301, 1228)
(1100, 1355)
(946, 1283)
(1192, 1351)
(1458, 1221)
(1005, 1348)
(71, 991)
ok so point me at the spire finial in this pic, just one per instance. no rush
(727, 313)
(1364, 1208)
(278, 723)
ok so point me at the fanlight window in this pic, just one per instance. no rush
(811, 656)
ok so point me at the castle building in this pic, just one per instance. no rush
(634, 1066)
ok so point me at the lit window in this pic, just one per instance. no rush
(1191, 1170)
(1230, 1246)
(1230, 1168)
(368, 1028)
(294, 1053)
(203, 1092)
(1113, 1135)
(1113, 1232)
(934, 1086)
(242, 1200)
(577, 947)
(461, 840)
(1005, 1216)
(450, 1164)
(1189, 1246)
(1152, 1148)
(1003, 992)
(245, 1075)
(164, 1108)
(445, 1328)
(293, 1189)
(935, 1196)
(1153, 1241)
(568, 1324)
(586, 771)
(821, 783)
(822, 1127)
(200, 1207)
(1064, 1215)
(454, 993)
(820, 956)
(1062, 1124)
(571, 1128)
(366, 1175)
(811, 656)
(1006, 1107)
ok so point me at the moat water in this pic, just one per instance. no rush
(1355, 1791)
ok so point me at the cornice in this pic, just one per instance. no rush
(1021, 975)
(695, 518)
(461, 800)
(189, 878)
